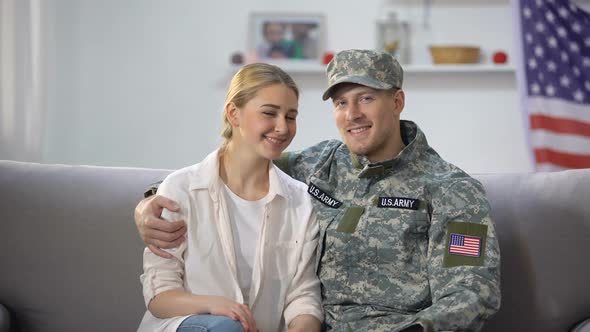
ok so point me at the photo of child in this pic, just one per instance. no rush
(286, 38)
(275, 45)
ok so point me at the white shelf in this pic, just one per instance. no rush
(315, 68)
(294, 67)
(466, 68)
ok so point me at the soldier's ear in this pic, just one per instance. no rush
(399, 100)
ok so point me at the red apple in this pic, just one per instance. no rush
(328, 56)
(500, 57)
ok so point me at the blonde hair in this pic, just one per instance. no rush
(246, 83)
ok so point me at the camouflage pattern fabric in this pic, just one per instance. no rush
(381, 268)
(378, 70)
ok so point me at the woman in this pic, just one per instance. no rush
(249, 259)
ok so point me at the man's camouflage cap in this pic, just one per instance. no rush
(378, 70)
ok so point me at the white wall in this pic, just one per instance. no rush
(142, 82)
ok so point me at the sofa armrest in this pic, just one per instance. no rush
(4, 319)
(582, 327)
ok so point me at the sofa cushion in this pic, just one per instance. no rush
(71, 256)
(4, 319)
(582, 327)
(543, 225)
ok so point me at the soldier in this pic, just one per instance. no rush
(406, 238)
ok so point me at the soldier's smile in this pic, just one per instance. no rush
(358, 131)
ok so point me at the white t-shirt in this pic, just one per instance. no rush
(246, 220)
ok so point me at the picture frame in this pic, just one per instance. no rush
(286, 38)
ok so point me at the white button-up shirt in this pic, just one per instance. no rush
(284, 282)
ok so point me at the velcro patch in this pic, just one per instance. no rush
(322, 196)
(466, 243)
(350, 219)
(398, 203)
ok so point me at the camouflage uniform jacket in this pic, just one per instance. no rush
(385, 231)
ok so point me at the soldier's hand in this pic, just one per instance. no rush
(155, 232)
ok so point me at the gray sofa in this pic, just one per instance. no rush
(70, 256)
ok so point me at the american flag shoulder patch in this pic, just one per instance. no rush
(465, 245)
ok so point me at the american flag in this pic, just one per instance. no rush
(465, 245)
(555, 36)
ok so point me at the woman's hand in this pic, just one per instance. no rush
(225, 307)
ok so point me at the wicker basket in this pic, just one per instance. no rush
(454, 54)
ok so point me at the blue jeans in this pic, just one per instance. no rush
(210, 323)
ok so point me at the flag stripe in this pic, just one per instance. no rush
(558, 108)
(464, 251)
(567, 143)
(559, 125)
(562, 159)
(455, 249)
(469, 247)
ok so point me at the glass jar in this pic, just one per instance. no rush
(393, 37)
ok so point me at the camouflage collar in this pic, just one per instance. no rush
(414, 141)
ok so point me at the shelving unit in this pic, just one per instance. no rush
(475, 68)
(294, 67)
(443, 30)
(314, 68)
